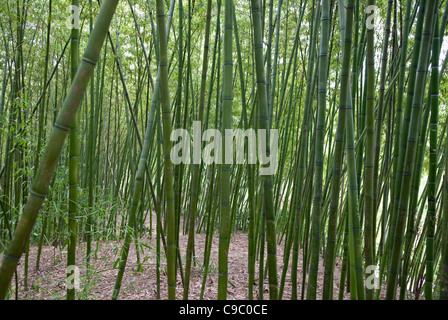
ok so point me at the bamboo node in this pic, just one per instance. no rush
(89, 61)
(36, 194)
(61, 127)
(10, 258)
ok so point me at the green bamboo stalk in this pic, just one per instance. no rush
(177, 175)
(92, 129)
(196, 167)
(42, 115)
(409, 159)
(380, 112)
(73, 165)
(294, 216)
(212, 186)
(300, 187)
(402, 124)
(444, 249)
(264, 124)
(56, 140)
(272, 83)
(336, 181)
(369, 208)
(250, 171)
(138, 185)
(168, 165)
(318, 148)
(345, 110)
(432, 190)
(225, 168)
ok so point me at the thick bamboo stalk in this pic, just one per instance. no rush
(56, 140)
(168, 165)
(432, 189)
(225, 168)
(73, 165)
(318, 146)
(370, 153)
(264, 124)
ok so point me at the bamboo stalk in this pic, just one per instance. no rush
(48, 161)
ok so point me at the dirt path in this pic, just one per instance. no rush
(48, 282)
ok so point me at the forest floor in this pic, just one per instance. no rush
(48, 282)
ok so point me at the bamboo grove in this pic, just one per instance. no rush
(354, 91)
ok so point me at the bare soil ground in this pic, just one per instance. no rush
(48, 282)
